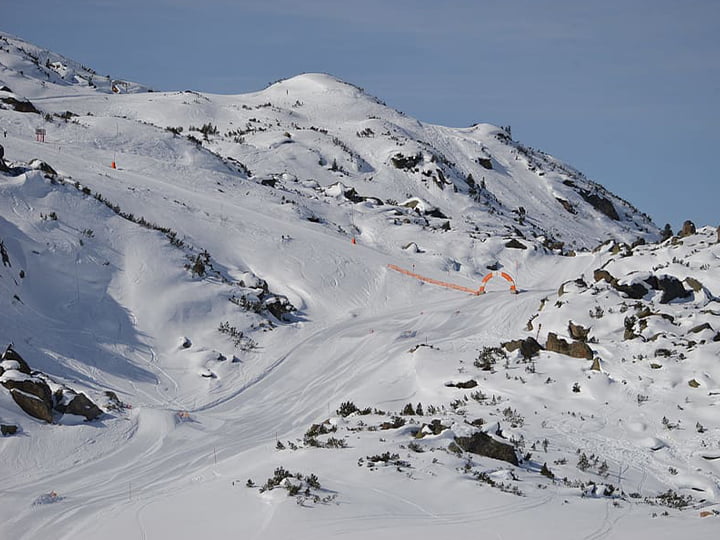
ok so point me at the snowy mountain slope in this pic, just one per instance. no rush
(316, 127)
(170, 281)
(35, 72)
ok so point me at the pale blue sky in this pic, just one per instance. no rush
(627, 91)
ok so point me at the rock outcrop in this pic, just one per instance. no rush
(19, 105)
(32, 393)
(688, 229)
(529, 347)
(577, 332)
(601, 204)
(11, 355)
(78, 404)
(576, 349)
(515, 244)
(8, 429)
(32, 405)
(671, 286)
(483, 444)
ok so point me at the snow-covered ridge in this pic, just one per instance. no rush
(47, 72)
(314, 126)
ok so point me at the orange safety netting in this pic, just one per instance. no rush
(513, 288)
(481, 290)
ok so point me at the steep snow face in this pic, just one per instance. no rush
(213, 272)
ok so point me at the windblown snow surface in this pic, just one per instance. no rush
(337, 419)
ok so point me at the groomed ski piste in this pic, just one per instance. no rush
(344, 417)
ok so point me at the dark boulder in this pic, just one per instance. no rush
(556, 344)
(471, 383)
(515, 244)
(672, 289)
(32, 405)
(353, 196)
(278, 306)
(80, 405)
(436, 213)
(32, 395)
(688, 229)
(566, 205)
(270, 182)
(579, 349)
(23, 106)
(694, 284)
(32, 386)
(529, 347)
(483, 444)
(436, 427)
(578, 332)
(601, 204)
(603, 275)
(485, 162)
(576, 349)
(636, 291)
(8, 429)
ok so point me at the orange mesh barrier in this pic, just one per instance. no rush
(481, 290)
(433, 281)
(505, 276)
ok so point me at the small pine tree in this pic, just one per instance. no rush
(408, 410)
(583, 462)
(198, 267)
(545, 471)
(313, 481)
(347, 408)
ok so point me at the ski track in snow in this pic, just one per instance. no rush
(134, 462)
